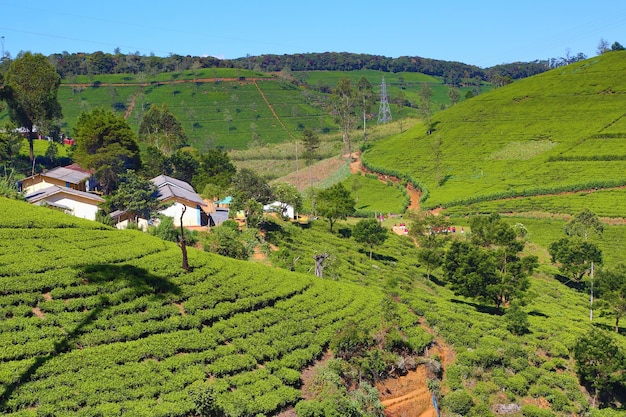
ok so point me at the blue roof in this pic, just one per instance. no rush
(225, 200)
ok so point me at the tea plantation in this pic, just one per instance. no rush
(560, 131)
(97, 321)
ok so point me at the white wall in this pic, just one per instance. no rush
(191, 218)
(79, 209)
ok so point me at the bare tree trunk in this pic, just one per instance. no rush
(319, 268)
(183, 242)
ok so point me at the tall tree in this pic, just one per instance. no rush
(30, 90)
(599, 363)
(428, 231)
(584, 224)
(612, 293)
(370, 232)
(250, 193)
(287, 195)
(574, 256)
(311, 142)
(344, 102)
(10, 144)
(454, 95)
(160, 128)
(426, 94)
(365, 94)
(215, 168)
(136, 195)
(335, 203)
(106, 143)
(490, 266)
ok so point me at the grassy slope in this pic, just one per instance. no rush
(98, 321)
(493, 365)
(500, 142)
(205, 99)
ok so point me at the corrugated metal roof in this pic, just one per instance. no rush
(53, 189)
(163, 180)
(68, 175)
(168, 191)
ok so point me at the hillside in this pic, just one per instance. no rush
(98, 321)
(239, 109)
(560, 131)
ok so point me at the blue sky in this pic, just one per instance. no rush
(482, 33)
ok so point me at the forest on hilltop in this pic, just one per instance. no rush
(99, 62)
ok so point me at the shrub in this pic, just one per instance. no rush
(530, 410)
(459, 402)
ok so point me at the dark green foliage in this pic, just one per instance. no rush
(204, 397)
(584, 224)
(10, 143)
(574, 256)
(8, 183)
(516, 319)
(599, 363)
(136, 196)
(335, 203)
(161, 129)
(30, 90)
(215, 167)
(350, 341)
(167, 231)
(226, 241)
(611, 288)
(489, 268)
(370, 232)
(250, 192)
(106, 143)
(459, 402)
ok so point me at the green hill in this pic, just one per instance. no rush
(560, 131)
(97, 321)
(236, 108)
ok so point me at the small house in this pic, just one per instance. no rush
(71, 176)
(75, 202)
(181, 195)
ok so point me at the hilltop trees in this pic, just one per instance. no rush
(30, 90)
(106, 143)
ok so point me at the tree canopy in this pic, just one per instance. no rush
(489, 267)
(599, 362)
(370, 232)
(160, 128)
(136, 195)
(574, 256)
(30, 90)
(106, 143)
(612, 293)
(584, 224)
(335, 203)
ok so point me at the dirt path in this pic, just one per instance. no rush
(131, 106)
(408, 396)
(272, 110)
(415, 195)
